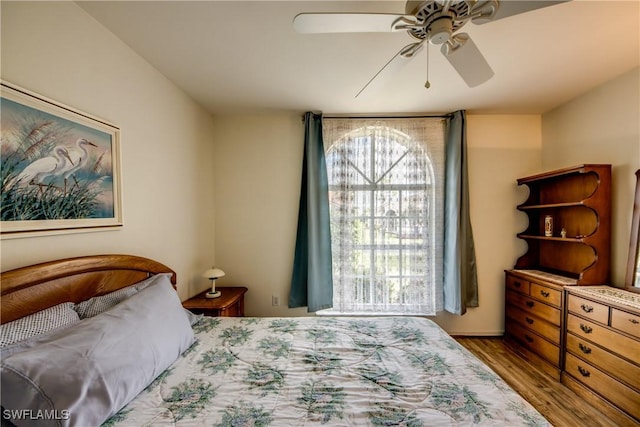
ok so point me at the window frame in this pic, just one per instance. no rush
(373, 186)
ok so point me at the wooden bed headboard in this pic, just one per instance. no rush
(27, 290)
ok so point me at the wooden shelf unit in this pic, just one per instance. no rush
(579, 200)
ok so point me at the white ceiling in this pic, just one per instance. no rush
(241, 56)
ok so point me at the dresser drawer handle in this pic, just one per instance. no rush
(586, 329)
(584, 372)
(584, 348)
(545, 294)
(586, 308)
(529, 320)
(529, 304)
(517, 284)
(634, 321)
(528, 338)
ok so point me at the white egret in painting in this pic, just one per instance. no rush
(35, 172)
(78, 157)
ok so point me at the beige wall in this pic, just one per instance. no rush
(601, 126)
(57, 50)
(258, 166)
(258, 162)
(501, 148)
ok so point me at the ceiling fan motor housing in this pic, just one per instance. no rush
(437, 20)
(440, 30)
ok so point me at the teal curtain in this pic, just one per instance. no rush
(311, 282)
(460, 281)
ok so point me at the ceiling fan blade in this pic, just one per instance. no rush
(492, 10)
(466, 58)
(351, 22)
(395, 64)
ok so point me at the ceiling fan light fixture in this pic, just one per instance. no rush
(409, 51)
(454, 43)
(440, 30)
(485, 11)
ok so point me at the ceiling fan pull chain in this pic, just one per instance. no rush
(427, 85)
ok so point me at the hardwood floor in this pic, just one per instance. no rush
(561, 406)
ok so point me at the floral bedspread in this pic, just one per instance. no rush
(308, 371)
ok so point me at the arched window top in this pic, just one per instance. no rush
(378, 155)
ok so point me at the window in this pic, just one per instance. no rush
(385, 195)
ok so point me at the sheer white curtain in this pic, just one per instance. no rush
(386, 184)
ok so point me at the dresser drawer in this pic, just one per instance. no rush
(534, 342)
(615, 342)
(624, 397)
(589, 309)
(604, 360)
(625, 322)
(517, 284)
(546, 329)
(546, 294)
(541, 310)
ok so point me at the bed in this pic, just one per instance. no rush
(139, 359)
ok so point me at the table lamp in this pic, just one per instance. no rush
(213, 274)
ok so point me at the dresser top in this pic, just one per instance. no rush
(549, 277)
(608, 293)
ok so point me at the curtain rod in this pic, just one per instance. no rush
(420, 116)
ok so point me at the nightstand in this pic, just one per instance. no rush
(229, 304)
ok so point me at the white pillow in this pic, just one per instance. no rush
(152, 280)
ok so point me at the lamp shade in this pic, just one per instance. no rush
(213, 273)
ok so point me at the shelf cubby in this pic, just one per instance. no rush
(579, 201)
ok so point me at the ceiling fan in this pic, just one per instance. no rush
(434, 21)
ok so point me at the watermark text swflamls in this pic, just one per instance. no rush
(31, 414)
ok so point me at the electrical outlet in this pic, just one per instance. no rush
(275, 301)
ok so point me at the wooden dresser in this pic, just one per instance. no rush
(534, 320)
(559, 315)
(568, 240)
(602, 352)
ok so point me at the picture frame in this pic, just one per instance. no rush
(60, 168)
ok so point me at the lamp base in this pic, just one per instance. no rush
(215, 294)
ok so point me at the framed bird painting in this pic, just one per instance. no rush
(60, 168)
